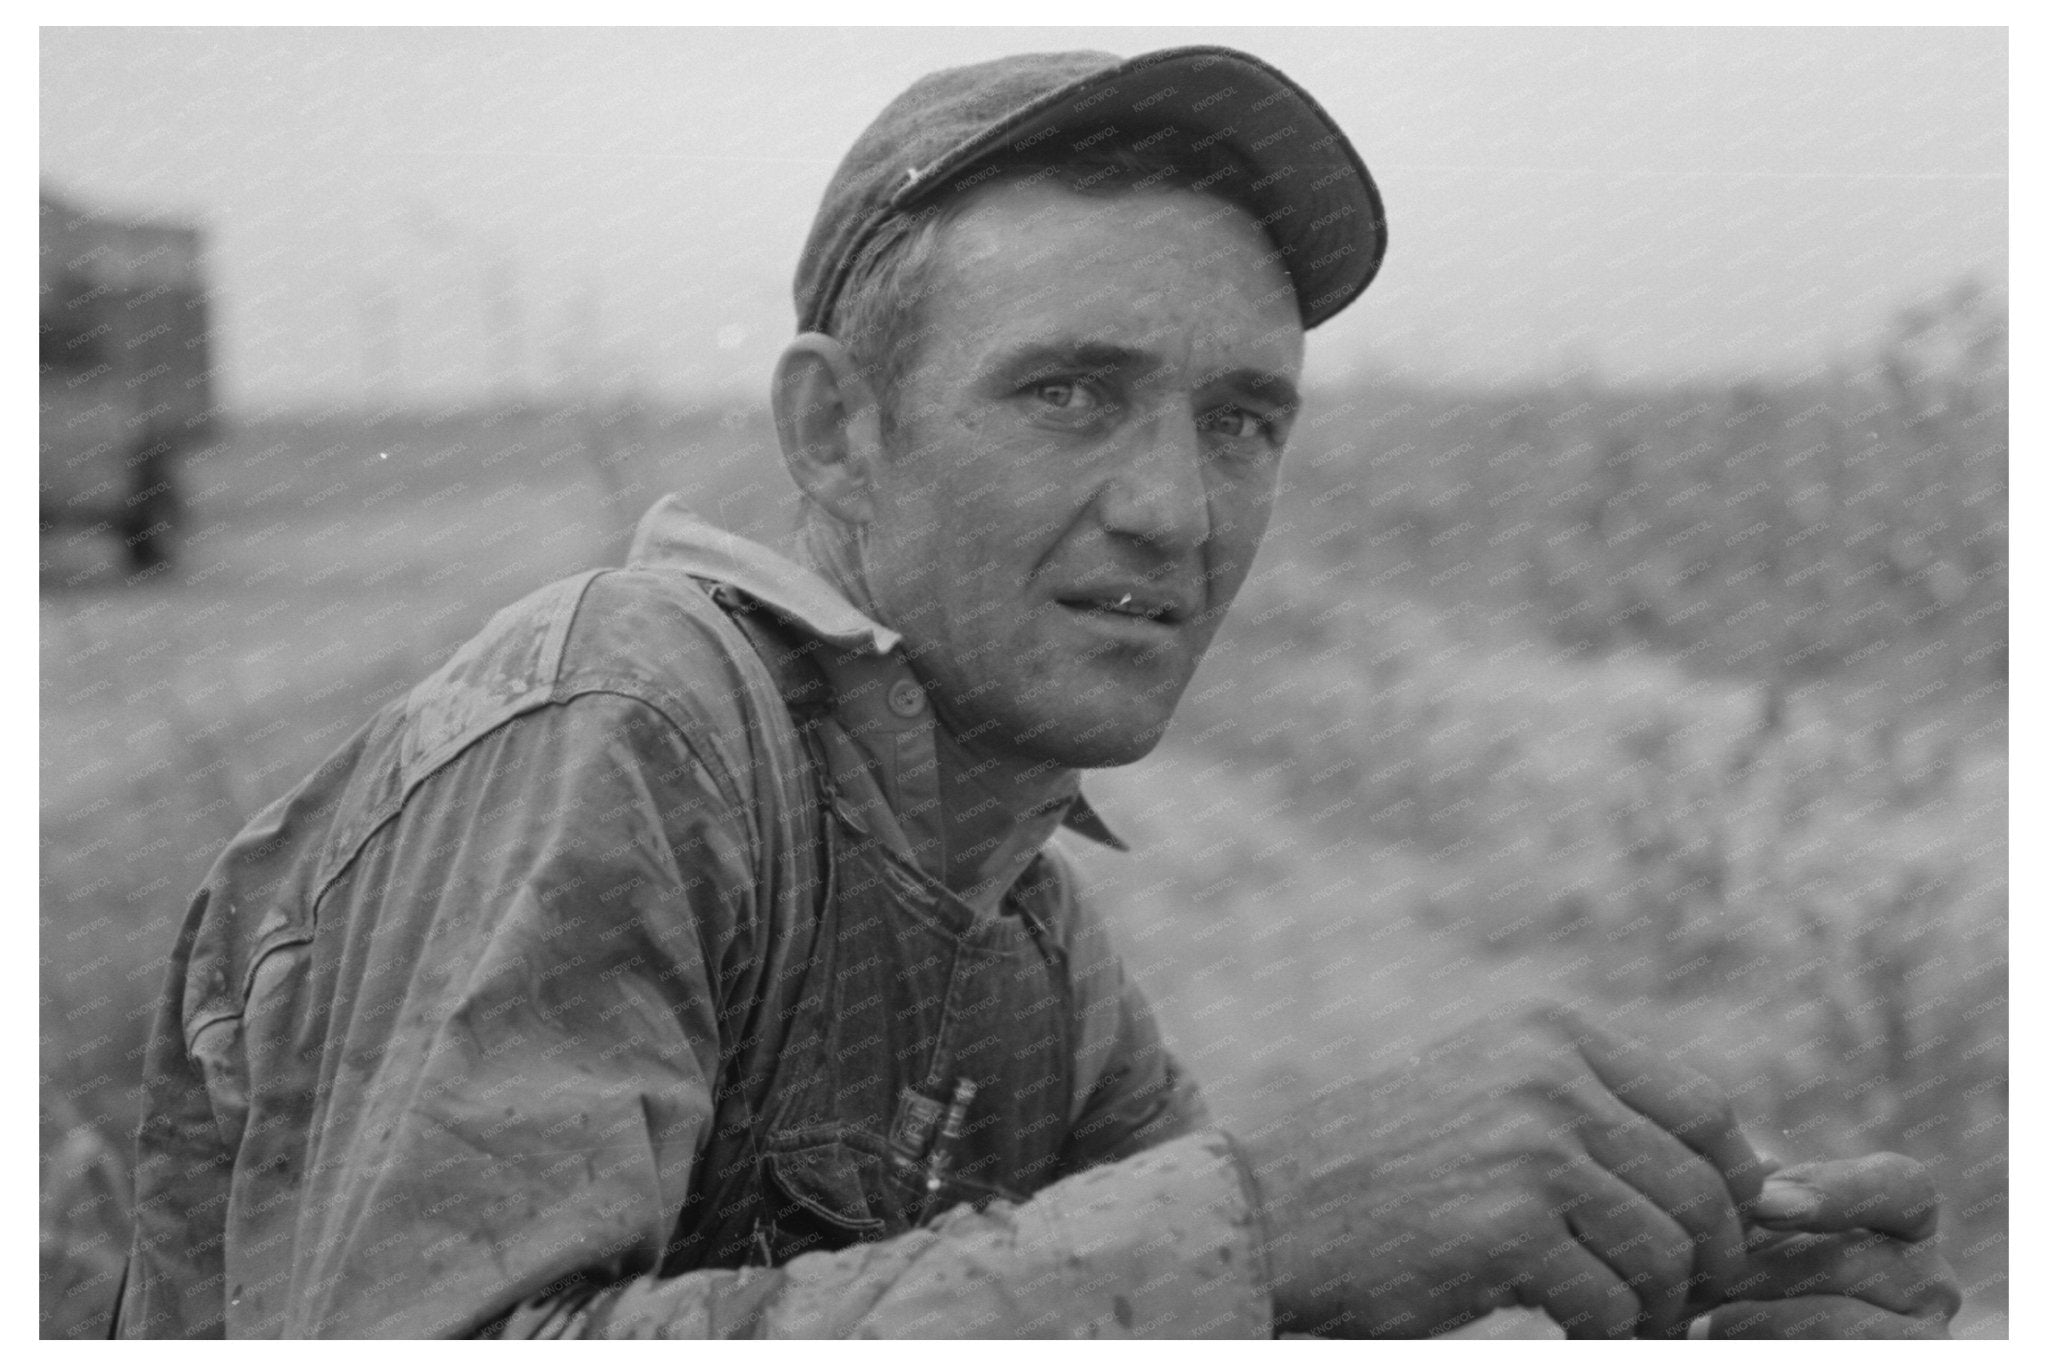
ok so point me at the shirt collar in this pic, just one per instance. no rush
(670, 534)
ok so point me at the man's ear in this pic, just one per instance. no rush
(829, 423)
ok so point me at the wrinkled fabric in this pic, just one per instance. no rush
(1149, 1248)
(448, 1030)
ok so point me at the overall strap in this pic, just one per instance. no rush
(734, 1160)
(793, 664)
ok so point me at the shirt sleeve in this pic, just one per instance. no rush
(1162, 1244)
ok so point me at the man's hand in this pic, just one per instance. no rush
(1843, 1250)
(1538, 1162)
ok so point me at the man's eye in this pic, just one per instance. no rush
(1065, 394)
(1240, 424)
(1069, 402)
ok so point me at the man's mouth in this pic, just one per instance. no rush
(1134, 604)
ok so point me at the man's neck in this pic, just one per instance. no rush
(994, 809)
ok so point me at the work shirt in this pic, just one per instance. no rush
(602, 986)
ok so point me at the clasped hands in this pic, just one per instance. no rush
(1543, 1162)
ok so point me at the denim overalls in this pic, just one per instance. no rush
(913, 1056)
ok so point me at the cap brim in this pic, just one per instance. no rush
(1306, 183)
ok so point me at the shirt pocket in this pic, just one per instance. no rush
(828, 1195)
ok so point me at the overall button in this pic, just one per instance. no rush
(906, 699)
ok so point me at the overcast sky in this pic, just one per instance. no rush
(430, 214)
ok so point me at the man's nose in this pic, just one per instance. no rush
(1157, 493)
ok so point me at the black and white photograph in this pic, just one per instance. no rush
(992, 682)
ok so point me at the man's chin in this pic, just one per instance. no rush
(1103, 745)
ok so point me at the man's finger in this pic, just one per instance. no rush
(1890, 1273)
(1640, 1243)
(1682, 1101)
(1884, 1192)
(1681, 1184)
(1580, 1293)
(1817, 1316)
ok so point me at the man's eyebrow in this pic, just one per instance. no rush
(1035, 360)
(1264, 385)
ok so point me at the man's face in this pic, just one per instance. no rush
(1083, 462)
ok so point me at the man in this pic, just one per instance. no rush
(687, 957)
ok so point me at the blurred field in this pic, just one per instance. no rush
(1689, 706)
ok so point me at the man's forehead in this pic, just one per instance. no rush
(1123, 282)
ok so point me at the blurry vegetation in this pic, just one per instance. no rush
(1780, 532)
(1687, 705)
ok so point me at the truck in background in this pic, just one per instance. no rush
(126, 375)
